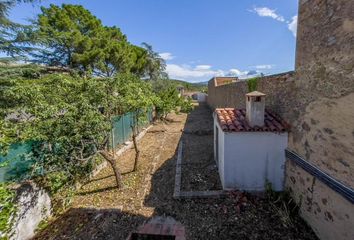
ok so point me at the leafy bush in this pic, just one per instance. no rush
(31, 73)
(55, 181)
(168, 98)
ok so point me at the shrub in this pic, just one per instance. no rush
(252, 84)
(186, 105)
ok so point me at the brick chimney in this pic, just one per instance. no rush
(255, 107)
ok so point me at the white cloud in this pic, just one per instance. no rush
(265, 66)
(267, 12)
(237, 73)
(293, 25)
(243, 74)
(166, 56)
(186, 72)
(205, 72)
(203, 67)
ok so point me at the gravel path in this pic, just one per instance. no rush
(199, 171)
(100, 211)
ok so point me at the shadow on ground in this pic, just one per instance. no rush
(235, 216)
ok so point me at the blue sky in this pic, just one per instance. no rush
(201, 38)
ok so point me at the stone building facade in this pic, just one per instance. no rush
(318, 102)
(322, 116)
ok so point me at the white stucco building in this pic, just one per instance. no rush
(249, 146)
(200, 97)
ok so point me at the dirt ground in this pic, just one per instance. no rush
(199, 171)
(100, 211)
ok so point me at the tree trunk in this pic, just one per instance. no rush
(115, 169)
(137, 151)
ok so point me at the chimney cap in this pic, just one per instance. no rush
(255, 94)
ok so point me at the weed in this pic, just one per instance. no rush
(282, 204)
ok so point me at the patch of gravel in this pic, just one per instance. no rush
(199, 171)
(100, 211)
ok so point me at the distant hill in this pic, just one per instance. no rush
(193, 87)
(202, 83)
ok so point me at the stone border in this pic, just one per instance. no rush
(178, 177)
(178, 194)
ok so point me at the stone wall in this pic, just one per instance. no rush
(279, 89)
(33, 206)
(318, 102)
(323, 117)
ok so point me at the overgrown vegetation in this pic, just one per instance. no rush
(283, 204)
(7, 210)
(252, 84)
(82, 75)
(70, 119)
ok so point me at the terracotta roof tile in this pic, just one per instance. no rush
(234, 120)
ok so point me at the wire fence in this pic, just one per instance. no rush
(122, 130)
(16, 163)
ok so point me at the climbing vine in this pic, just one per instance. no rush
(252, 84)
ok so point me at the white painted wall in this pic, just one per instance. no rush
(248, 159)
(220, 157)
(202, 97)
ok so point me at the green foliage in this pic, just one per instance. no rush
(65, 122)
(15, 72)
(69, 120)
(4, 164)
(7, 209)
(186, 105)
(70, 36)
(62, 199)
(14, 37)
(168, 99)
(136, 95)
(252, 84)
(191, 87)
(69, 117)
(139, 59)
(42, 225)
(155, 65)
(54, 181)
(67, 31)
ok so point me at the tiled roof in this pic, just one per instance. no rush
(234, 120)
